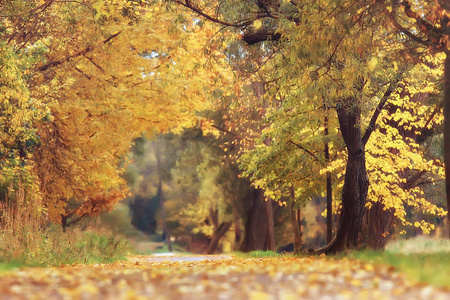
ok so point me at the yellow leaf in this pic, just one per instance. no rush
(369, 267)
(372, 63)
(257, 295)
(257, 24)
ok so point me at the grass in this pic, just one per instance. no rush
(259, 254)
(25, 242)
(432, 268)
(10, 265)
(421, 259)
(52, 247)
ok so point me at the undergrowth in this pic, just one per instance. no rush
(25, 241)
(421, 259)
(432, 268)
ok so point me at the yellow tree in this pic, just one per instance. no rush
(427, 25)
(113, 78)
(333, 52)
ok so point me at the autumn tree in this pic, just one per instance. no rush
(427, 25)
(339, 54)
(96, 89)
(240, 121)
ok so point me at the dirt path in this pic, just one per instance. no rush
(215, 277)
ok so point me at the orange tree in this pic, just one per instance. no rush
(86, 95)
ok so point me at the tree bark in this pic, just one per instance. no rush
(217, 235)
(270, 226)
(237, 228)
(328, 179)
(295, 223)
(377, 223)
(255, 225)
(329, 208)
(356, 181)
(447, 132)
(260, 36)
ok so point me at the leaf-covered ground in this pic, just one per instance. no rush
(216, 277)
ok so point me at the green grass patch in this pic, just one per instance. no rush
(53, 247)
(432, 268)
(10, 265)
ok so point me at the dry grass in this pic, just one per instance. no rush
(25, 238)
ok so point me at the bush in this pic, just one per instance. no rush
(22, 239)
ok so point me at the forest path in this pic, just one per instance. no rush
(216, 277)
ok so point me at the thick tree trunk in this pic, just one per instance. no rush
(377, 224)
(295, 223)
(256, 225)
(447, 132)
(356, 182)
(217, 235)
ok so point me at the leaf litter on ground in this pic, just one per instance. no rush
(216, 277)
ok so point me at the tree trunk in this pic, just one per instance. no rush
(237, 228)
(377, 223)
(447, 132)
(166, 233)
(255, 225)
(356, 182)
(329, 187)
(64, 223)
(270, 226)
(295, 223)
(329, 208)
(217, 235)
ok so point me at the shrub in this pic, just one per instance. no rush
(24, 239)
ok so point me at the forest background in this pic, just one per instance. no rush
(221, 126)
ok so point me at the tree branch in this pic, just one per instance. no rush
(433, 33)
(304, 149)
(43, 7)
(392, 86)
(260, 36)
(411, 181)
(435, 111)
(188, 4)
(236, 136)
(262, 4)
(408, 33)
(80, 53)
